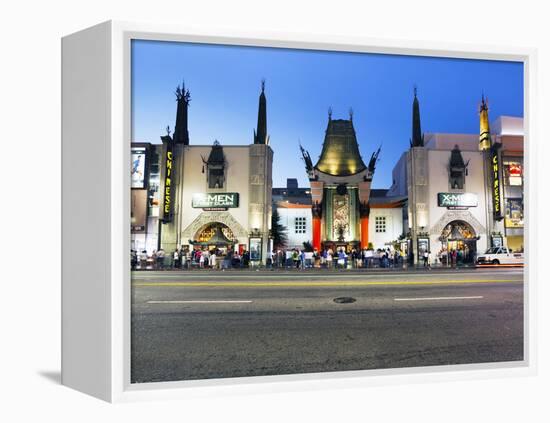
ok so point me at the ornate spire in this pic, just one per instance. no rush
(417, 139)
(484, 130)
(181, 131)
(260, 134)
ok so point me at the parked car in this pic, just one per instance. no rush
(500, 255)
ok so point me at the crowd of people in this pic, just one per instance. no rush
(339, 258)
(185, 258)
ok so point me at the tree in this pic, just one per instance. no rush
(278, 231)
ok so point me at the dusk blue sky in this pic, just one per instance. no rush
(301, 85)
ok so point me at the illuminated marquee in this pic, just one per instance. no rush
(167, 206)
(215, 200)
(495, 183)
(456, 200)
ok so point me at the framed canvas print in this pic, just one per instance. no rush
(270, 212)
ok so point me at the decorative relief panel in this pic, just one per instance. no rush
(340, 216)
(206, 218)
(257, 179)
(451, 215)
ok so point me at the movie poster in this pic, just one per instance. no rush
(139, 156)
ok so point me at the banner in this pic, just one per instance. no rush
(496, 192)
(139, 157)
(215, 200)
(456, 200)
(138, 216)
(168, 194)
(514, 213)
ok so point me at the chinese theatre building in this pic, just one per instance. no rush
(215, 196)
(464, 191)
(340, 188)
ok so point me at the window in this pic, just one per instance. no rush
(380, 224)
(300, 225)
(513, 173)
(514, 213)
(458, 169)
(457, 178)
(215, 177)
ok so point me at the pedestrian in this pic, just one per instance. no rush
(246, 258)
(425, 257)
(133, 259)
(270, 256)
(212, 259)
(429, 260)
(176, 257)
(328, 258)
(342, 258)
(302, 259)
(454, 256)
(296, 258)
(369, 256)
(288, 259)
(316, 258)
(184, 258)
(143, 260)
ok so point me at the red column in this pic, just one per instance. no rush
(364, 232)
(316, 226)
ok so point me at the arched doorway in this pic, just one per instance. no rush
(460, 236)
(215, 235)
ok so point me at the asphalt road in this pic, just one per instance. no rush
(205, 324)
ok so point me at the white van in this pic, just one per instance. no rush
(500, 255)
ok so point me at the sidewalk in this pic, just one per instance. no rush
(418, 268)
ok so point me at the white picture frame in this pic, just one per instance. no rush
(96, 207)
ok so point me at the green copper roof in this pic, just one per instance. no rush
(340, 155)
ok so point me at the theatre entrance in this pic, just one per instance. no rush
(215, 236)
(459, 236)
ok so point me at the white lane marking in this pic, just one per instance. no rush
(201, 302)
(477, 297)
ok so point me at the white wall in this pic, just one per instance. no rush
(394, 226)
(237, 180)
(287, 218)
(438, 161)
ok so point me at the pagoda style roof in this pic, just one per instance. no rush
(340, 155)
(216, 154)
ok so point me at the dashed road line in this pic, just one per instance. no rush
(200, 302)
(476, 297)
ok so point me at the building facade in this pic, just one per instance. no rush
(145, 196)
(340, 188)
(213, 196)
(464, 191)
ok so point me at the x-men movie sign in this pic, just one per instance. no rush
(456, 200)
(215, 200)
